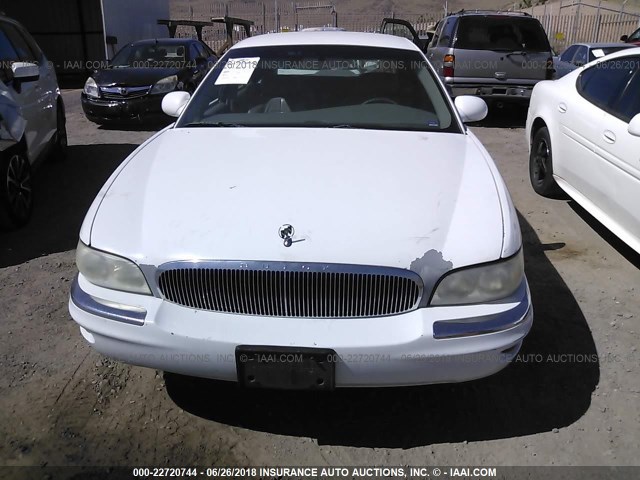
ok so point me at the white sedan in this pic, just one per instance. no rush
(32, 119)
(584, 137)
(319, 216)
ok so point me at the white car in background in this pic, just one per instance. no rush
(32, 119)
(584, 137)
(319, 216)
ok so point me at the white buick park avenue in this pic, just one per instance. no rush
(319, 216)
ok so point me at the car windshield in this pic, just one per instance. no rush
(501, 33)
(635, 36)
(150, 55)
(321, 86)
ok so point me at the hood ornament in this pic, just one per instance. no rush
(286, 233)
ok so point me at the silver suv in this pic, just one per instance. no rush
(498, 56)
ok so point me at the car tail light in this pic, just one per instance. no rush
(449, 65)
(550, 70)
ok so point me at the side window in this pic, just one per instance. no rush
(207, 51)
(446, 39)
(201, 51)
(602, 83)
(580, 57)
(628, 105)
(8, 55)
(193, 52)
(20, 44)
(32, 44)
(436, 35)
(568, 54)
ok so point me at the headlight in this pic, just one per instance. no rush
(485, 283)
(91, 88)
(110, 271)
(165, 85)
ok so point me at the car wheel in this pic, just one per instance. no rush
(60, 141)
(541, 165)
(16, 195)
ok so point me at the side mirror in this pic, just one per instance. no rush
(25, 71)
(173, 103)
(624, 38)
(470, 108)
(201, 61)
(634, 126)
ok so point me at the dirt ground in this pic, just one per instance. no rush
(571, 398)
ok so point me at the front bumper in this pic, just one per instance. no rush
(141, 109)
(382, 351)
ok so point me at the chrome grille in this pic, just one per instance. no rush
(291, 289)
(123, 93)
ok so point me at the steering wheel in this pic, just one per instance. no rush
(379, 100)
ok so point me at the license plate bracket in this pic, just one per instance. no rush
(288, 368)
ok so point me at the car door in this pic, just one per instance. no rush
(402, 28)
(48, 83)
(24, 93)
(580, 116)
(619, 155)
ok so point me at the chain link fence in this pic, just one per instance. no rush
(575, 21)
(269, 17)
(565, 22)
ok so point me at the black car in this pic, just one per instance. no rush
(139, 76)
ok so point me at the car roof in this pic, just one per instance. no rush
(324, 29)
(603, 44)
(355, 39)
(5, 18)
(626, 52)
(490, 13)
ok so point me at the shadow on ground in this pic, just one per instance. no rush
(538, 392)
(63, 193)
(622, 248)
(135, 126)
(509, 116)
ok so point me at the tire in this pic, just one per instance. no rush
(541, 166)
(60, 140)
(16, 193)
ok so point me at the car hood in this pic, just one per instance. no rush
(132, 77)
(424, 201)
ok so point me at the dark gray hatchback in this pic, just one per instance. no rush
(498, 56)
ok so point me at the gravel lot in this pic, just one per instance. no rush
(64, 404)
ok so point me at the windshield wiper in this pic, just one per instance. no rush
(321, 124)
